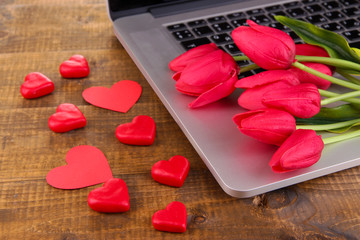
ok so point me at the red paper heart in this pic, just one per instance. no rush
(172, 219)
(113, 196)
(75, 67)
(36, 85)
(120, 97)
(67, 117)
(87, 166)
(172, 172)
(141, 131)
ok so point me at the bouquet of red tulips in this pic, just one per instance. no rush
(285, 102)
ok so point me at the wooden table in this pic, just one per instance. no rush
(38, 35)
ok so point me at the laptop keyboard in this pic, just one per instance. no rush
(341, 16)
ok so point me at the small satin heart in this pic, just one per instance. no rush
(172, 219)
(36, 85)
(86, 166)
(67, 117)
(172, 172)
(76, 67)
(120, 97)
(141, 131)
(112, 197)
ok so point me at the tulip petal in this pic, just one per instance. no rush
(303, 100)
(180, 62)
(216, 93)
(267, 77)
(302, 149)
(270, 126)
(251, 98)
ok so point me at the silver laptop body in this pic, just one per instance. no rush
(238, 163)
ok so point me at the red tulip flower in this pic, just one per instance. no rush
(268, 125)
(267, 47)
(180, 62)
(302, 149)
(210, 78)
(303, 100)
(305, 49)
(258, 84)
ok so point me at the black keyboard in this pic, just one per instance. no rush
(341, 16)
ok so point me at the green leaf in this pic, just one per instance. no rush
(343, 129)
(326, 115)
(333, 43)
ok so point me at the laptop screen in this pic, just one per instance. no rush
(122, 8)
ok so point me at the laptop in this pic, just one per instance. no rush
(154, 32)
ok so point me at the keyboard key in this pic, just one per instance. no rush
(352, 35)
(176, 27)
(292, 4)
(232, 48)
(335, 15)
(239, 22)
(236, 15)
(315, 8)
(260, 19)
(332, 26)
(271, 15)
(355, 45)
(194, 43)
(331, 5)
(307, 2)
(316, 19)
(183, 35)
(255, 12)
(294, 36)
(353, 11)
(203, 31)
(221, 38)
(217, 19)
(296, 12)
(222, 27)
(278, 26)
(197, 23)
(350, 23)
(274, 8)
(349, 2)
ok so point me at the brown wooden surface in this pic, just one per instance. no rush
(37, 36)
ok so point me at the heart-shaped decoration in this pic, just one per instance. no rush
(141, 131)
(86, 166)
(172, 219)
(172, 172)
(36, 85)
(112, 197)
(67, 117)
(120, 97)
(76, 67)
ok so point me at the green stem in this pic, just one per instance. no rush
(341, 137)
(340, 97)
(348, 76)
(325, 93)
(241, 58)
(248, 68)
(329, 126)
(326, 77)
(330, 61)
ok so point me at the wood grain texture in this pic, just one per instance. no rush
(38, 35)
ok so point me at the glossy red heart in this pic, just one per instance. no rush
(141, 131)
(86, 166)
(36, 85)
(67, 117)
(172, 219)
(113, 197)
(120, 97)
(172, 172)
(76, 67)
